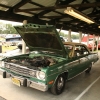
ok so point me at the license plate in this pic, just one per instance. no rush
(16, 81)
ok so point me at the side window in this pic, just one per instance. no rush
(69, 49)
(84, 50)
(80, 50)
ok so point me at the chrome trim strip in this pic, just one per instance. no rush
(16, 65)
(1, 71)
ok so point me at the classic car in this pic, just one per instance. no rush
(50, 62)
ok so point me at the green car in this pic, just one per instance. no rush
(50, 62)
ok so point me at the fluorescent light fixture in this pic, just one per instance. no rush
(79, 15)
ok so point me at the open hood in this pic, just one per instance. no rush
(41, 38)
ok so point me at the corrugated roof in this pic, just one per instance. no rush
(66, 19)
(46, 19)
(52, 14)
(61, 10)
(10, 3)
(91, 1)
(26, 14)
(88, 11)
(76, 2)
(4, 9)
(28, 5)
(45, 2)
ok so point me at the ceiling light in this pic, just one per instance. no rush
(98, 26)
(79, 15)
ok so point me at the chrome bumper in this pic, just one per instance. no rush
(1, 71)
(24, 81)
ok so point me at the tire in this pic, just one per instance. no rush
(58, 86)
(20, 46)
(89, 69)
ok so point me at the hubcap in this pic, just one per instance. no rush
(60, 83)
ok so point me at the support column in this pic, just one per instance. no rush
(87, 39)
(69, 35)
(80, 37)
(93, 42)
(23, 43)
(97, 43)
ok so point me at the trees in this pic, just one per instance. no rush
(73, 36)
(7, 29)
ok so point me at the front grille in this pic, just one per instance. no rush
(18, 69)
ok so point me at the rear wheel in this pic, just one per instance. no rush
(58, 86)
(89, 69)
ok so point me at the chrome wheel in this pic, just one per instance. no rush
(60, 83)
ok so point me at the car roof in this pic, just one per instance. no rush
(73, 43)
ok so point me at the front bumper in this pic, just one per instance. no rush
(25, 81)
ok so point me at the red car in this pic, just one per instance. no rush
(90, 46)
(99, 44)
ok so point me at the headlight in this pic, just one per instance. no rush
(40, 75)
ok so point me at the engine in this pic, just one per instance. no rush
(34, 63)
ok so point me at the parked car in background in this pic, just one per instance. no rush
(91, 44)
(13, 41)
(50, 63)
(99, 44)
(62, 39)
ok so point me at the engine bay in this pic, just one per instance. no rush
(33, 63)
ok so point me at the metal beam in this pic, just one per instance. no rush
(45, 11)
(5, 6)
(65, 27)
(57, 2)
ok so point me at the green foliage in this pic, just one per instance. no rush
(73, 36)
(7, 29)
(61, 34)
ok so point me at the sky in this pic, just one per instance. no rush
(11, 22)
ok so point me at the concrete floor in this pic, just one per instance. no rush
(82, 87)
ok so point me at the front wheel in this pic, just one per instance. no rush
(58, 86)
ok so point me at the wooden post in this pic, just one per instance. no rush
(69, 35)
(93, 42)
(23, 43)
(80, 37)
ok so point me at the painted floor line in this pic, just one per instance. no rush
(78, 98)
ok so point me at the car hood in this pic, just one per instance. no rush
(41, 38)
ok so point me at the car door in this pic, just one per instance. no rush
(72, 62)
(72, 67)
(83, 58)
